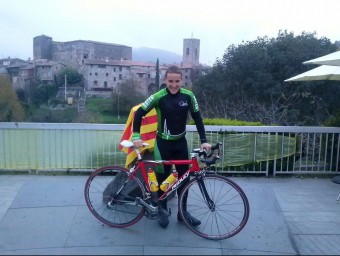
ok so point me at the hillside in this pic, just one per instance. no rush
(151, 54)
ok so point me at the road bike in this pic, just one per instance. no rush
(120, 197)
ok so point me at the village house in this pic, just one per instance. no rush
(104, 65)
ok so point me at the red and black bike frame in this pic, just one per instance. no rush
(140, 164)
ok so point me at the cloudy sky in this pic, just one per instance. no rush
(161, 24)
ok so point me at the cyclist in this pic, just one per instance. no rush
(172, 105)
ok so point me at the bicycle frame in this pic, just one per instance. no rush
(140, 164)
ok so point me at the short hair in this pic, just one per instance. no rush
(173, 69)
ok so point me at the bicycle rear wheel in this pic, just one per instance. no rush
(228, 212)
(110, 195)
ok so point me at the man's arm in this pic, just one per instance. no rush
(201, 130)
(199, 125)
(137, 122)
(196, 115)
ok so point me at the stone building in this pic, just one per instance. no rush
(24, 77)
(47, 70)
(107, 75)
(7, 63)
(74, 53)
(23, 73)
(20, 71)
(104, 66)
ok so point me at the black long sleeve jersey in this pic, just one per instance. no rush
(172, 113)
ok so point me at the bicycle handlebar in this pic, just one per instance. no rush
(203, 156)
(210, 158)
(129, 144)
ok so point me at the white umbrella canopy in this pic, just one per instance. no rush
(332, 59)
(323, 72)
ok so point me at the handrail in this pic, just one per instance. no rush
(269, 150)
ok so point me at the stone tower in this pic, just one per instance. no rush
(191, 52)
(42, 47)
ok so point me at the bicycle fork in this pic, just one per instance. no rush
(210, 203)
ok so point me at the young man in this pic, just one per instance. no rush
(172, 105)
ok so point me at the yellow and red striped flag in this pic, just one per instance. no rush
(148, 132)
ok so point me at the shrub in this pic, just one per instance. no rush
(333, 121)
(223, 121)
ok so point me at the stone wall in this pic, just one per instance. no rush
(42, 47)
(74, 53)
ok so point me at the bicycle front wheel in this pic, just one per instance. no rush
(224, 215)
(110, 194)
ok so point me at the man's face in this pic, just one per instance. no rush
(173, 82)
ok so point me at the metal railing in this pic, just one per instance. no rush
(267, 150)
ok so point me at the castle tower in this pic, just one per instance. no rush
(191, 52)
(42, 47)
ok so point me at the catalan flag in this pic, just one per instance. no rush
(147, 131)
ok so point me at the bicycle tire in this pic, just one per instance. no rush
(231, 211)
(101, 188)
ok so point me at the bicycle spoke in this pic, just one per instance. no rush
(229, 214)
(116, 210)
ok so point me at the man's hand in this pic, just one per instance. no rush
(206, 146)
(138, 143)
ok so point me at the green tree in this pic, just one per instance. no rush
(248, 82)
(157, 74)
(41, 93)
(125, 97)
(10, 107)
(72, 77)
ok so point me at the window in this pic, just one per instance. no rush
(101, 66)
(90, 74)
(140, 75)
(95, 82)
(105, 84)
(107, 74)
(187, 51)
(114, 79)
(114, 69)
(120, 76)
(149, 76)
(120, 68)
(96, 74)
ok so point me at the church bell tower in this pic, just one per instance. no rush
(191, 52)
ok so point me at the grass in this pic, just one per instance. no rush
(98, 104)
(102, 107)
(113, 119)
